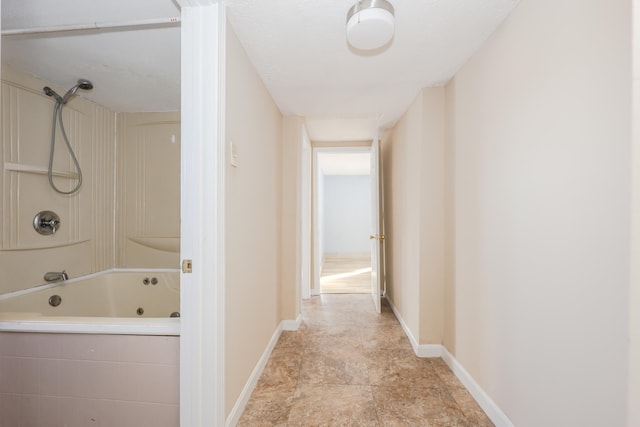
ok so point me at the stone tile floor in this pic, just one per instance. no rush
(348, 366)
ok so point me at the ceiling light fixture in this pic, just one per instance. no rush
(370, 24)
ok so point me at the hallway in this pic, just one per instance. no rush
(347, 366)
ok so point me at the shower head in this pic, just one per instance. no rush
(50, 92)
(83, 84)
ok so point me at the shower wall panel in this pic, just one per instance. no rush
(149, 190)
(84, 242)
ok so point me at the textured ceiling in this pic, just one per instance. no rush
(297, 46)
(300, 50)
(132, 69)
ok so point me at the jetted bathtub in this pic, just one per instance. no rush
(113, 302)
(100, 350)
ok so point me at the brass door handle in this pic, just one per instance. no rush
(377, 237)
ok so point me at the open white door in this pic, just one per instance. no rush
(376, 237)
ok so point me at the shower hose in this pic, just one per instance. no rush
(57, 115)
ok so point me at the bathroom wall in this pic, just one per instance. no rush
(253, 219)
(84, 241)
(148, 191)
(138, 152)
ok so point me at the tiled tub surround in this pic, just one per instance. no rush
(79, 364)
(79, 380)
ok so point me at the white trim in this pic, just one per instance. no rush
(315, 223)
(493, 411)
(424, 350)
(245, 394)
(305, 222)
(98, 325)
(291, 325)
(487, 404)
(202, 213)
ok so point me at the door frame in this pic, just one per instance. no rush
(203, 43)
(305, 222)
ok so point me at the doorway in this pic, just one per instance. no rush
(342, 220)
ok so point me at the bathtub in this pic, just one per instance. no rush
(112, 302)
(106, 355)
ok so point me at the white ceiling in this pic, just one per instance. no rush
(300, 50)
(297, 46)
(132, 70)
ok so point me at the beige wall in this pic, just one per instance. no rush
(401, 181)
(432, 229)
(414, 192)
(449, 331)
(633, 409)
(542, 183)
(253, 219)
(84, 242)
(292, 140)
(148, 221)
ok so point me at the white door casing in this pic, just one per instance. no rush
(305, 221)
(202, 213)
(376, 237)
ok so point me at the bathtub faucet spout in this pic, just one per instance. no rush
(56, 276)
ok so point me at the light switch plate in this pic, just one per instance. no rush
(234, 154)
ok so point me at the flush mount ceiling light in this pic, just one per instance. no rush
(370, 24)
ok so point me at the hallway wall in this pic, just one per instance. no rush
(253, 215)
(633, 409)
(293, 139)
(415, 224)
(542, 183)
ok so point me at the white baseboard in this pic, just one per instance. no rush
(493, 411)
(238, 408)
(421, 350)
(292, 325)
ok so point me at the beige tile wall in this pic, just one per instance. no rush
(79, 380)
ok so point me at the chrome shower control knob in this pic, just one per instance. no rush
(46, 222)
